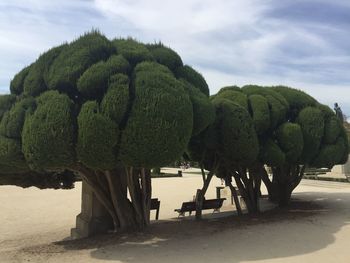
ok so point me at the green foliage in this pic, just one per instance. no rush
(37, 78)
(115, 102)
(75, 59)
(290, 140)
(132, 50)
(331, 154)
(48, 134)
(311, 122)
(277, 104)
(11, 157)
(97, 138)
(297, 99)
(238, 139)
(147, 65)
(160, 122)
(203, 110)
(271, 154)
(16, 85)
(12, 123)
(6, 101)
(332, 129)
(260, 113)
(166, 56)
(94, 81)
(233, 95)
(196, 79)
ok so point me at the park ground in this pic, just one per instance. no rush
(35, 227)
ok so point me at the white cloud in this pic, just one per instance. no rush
(230, 42)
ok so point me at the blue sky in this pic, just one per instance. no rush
(303, 44)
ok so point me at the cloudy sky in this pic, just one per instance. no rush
(300, 43)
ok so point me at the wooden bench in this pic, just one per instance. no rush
(215, 204)
(155, 205)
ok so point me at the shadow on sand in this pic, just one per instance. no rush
(308, 225)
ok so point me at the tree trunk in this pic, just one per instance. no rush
(200, 195)
(247, 194)
(111, 189)
(235, 198)
(285, 180)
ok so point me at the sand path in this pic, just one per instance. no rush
(34, 222)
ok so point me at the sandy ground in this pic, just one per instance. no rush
(35, 227)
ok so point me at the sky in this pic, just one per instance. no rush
(304, 44)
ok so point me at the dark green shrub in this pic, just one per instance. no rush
(37, 78)
(166, 56)
(259, 109)
(12, 123)
(271, 154)
(115, 102)
(48, 134)
(311, 122)
(161, 117)
(6, 102)
(75, 59)
(233, 95)
(11, 157)
(277, 104)
(196, 79)
(132, 50)
(290, 140)
(16, 85)
(96, 134)
(94, 81)
(238, 139)
(331, 154)
(297, 99)
(203, 110)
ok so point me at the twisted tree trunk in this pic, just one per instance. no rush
(285, 180)
(111, 189)
(249, 187)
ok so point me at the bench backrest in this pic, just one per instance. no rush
(213, 203)
(188, 206)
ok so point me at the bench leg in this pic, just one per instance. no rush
(157, 214)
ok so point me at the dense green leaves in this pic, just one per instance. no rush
(311, 122)
(160, 123)
(17, 83)
(132, 50)
(233, 95)
(166, 56)
(12, 123)
(37, 79)
(271, 154)
(290, 139)
(115, 102)
(203, 110)
(196, 79)
(75, 59)
(48, 134)
(94, 81)
(97, 138)
(11, 157)
(260, 112)
(6, 101)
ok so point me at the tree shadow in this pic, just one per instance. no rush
(306, 226)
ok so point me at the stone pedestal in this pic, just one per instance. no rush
(93, 219)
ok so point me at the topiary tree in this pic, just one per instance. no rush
(227, 147)
(294, 131)
(106, 110)
(306, 133)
